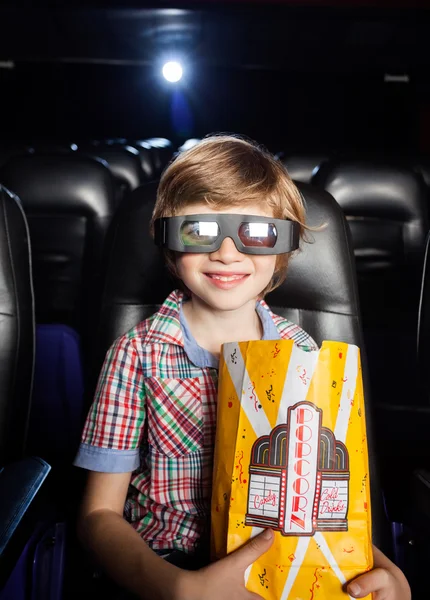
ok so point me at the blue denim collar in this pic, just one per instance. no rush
(203, 358)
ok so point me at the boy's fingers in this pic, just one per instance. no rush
(249, 553)
(377, 580)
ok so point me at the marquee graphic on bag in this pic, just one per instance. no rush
(299, 476)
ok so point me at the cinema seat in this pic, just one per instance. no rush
(386, 208)
(123, 161)
(302, 167)
(146, 158)
(21, 477)
(162, 151)
(68, 201)
(16, 328)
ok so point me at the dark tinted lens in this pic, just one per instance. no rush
(199, 233)
(258, 234)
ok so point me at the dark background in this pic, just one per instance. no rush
(295, 76)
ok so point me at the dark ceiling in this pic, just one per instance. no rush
(307, 74)
(280, 36)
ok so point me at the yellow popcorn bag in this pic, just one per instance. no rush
(291, 454)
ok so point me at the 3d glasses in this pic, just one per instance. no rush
(205, 233)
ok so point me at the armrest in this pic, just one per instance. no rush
(20, 483)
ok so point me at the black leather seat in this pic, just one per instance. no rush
(124, 163)
(386, 210)
(302, 167)
(146, 158)
(20, 477)
(16, 328)
(162, 151)
(69, 201)
(143, 148)
(320, 292)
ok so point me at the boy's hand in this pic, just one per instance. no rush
(224, 579)
(385, 581)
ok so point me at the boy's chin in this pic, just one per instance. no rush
(228, 301)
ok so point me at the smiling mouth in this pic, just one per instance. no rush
(226, 277)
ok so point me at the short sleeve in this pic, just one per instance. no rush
(114, 426)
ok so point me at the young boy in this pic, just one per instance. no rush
(149, 435)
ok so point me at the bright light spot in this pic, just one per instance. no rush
(172, 71)
(208, 228)
(258, 229)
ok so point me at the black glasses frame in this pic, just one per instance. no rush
(168, 233)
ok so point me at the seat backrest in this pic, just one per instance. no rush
(302, 167)
(16, 328)
(385, 205)
(124, 163)
(68, 201)
(146, 158)
(319, 293)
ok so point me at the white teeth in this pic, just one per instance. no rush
(223, 278)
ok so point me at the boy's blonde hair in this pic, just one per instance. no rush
(225, 171)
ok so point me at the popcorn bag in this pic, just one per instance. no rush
(291, 454)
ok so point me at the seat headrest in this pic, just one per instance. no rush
(302, 167)
(161, 151)
(124, 162)
(16, 327)
(159, 142)
(319, 293)
(146, 161)
(63, 183)
(374, 189)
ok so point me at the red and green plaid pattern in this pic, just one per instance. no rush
(152, 398)
(175, 417)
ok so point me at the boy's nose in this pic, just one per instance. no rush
(227, 252)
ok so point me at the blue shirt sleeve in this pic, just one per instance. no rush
(106, 460)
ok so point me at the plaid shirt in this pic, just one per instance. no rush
(154, 414)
